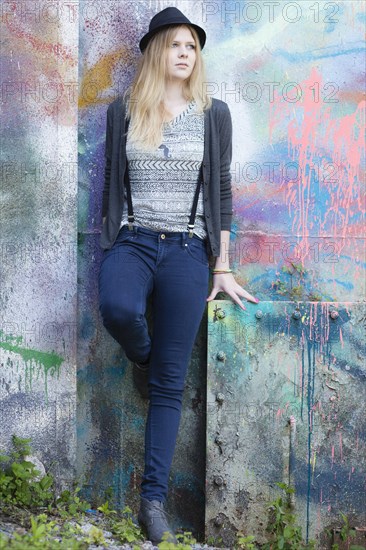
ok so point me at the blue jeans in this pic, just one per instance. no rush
(174, 269)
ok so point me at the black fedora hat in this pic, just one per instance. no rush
(165, 18)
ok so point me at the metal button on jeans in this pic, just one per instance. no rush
(162, 236)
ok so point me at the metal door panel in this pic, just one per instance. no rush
(285, 403)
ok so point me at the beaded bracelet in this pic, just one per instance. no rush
(221, 271)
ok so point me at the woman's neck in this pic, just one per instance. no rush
(174, 95)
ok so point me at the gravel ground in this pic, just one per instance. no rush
(8, 528)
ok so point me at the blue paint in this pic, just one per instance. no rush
(116, 372)
(347, 285)
(310, 424)
(330, 478)
(188, 481)
(302, 382)
(351, 369)
(87, 326)
(345, 257)
(183, 478)
(312, 55)
(89, 374)
(122, 479)
(82, 431)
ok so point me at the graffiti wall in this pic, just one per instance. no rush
(38, 67)
(293, 76)
(285, 404)
(283, 391)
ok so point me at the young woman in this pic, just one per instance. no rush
(167, 207)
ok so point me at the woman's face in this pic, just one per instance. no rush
(181, 56)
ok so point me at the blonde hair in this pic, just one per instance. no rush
(145, 106)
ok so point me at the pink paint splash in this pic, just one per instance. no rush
(298, 368)
(318, 519)
(57, 50)
(341, 446)
(341, 337)
(325, 314)
(313, 132)
(280, 412)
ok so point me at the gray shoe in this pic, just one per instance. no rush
(140, 375)
(153, 519)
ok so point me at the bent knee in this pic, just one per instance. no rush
(119, 314)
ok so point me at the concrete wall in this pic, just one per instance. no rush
(38, 224)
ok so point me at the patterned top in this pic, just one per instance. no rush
(163, 182)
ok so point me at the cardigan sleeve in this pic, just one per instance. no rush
(226, 201)
(108, 160)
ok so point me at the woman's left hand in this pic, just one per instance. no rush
(225, 282)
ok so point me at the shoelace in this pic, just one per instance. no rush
(157, 505)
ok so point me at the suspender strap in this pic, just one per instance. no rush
(131, 217)
(192, 217)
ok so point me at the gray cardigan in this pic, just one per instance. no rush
(217, 154)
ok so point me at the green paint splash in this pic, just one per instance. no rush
(34, 360)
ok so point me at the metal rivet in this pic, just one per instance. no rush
(296, 314)
(221, 314)
(259, 314)
(219, 521)
(220, 397)
(219, 440)
(218, 480)
(334, 314)
(221, 356)
(162, 236)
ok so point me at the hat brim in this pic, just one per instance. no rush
(147, 37)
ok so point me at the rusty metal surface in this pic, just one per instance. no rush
(285, 403)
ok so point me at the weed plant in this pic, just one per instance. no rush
(49, 522)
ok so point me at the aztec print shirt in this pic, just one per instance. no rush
(163, 182)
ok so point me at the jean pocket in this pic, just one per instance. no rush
(197, 250)
(125, 235)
